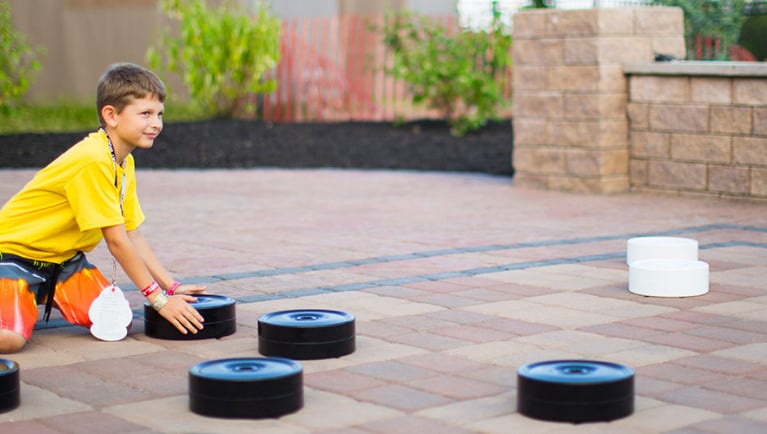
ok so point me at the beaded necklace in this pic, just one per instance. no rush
(114, 163)
(122, 195)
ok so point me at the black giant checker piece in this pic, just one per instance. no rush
(10, 390)
(218, 311)
(575, 391)
(247, 387)
(306, 334)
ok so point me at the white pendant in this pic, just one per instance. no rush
(110, 314)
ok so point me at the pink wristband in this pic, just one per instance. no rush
(150, 289)
(173, 288)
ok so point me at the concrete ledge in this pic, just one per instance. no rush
(699, 68)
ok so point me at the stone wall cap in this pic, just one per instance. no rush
(701, 67)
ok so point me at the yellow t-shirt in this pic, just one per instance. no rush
(62, 209)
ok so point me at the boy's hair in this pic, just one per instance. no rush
(124, 81)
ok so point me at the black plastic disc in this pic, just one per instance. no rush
(217, 310)
(306, 334)
(575, 390)
(246, 387)
(10, 391)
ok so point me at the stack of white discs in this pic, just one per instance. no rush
(666, 267)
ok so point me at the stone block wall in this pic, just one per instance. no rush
(593, 111)
(699, 129)
(571, 94)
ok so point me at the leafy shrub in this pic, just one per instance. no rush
(753, 36)
(457, 74)
(722, 19)
(18, 61)
(222, 53)
(538, 4)
(71, 116)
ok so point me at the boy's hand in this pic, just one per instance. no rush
(190, 289)
(181, 314)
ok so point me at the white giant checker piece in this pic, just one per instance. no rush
(666, 267)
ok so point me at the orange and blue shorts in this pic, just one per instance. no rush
(24, 284)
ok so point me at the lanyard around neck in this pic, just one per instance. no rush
(114, 163)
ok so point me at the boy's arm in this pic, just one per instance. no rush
(177, 311)
(160, 274)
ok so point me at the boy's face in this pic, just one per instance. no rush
(139, 123)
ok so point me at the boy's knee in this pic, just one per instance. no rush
(11, 342)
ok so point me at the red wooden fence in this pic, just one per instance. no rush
(332, 69)
(710, 48)
(707, 47)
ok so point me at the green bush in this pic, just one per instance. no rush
(71, 117)
(457, 74)
(753, 36)
(538, 4)
(25, 118)
(18, 61)
(722, 19)
(222, 54)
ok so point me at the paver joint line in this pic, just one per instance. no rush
(357, 286)
(446, 252)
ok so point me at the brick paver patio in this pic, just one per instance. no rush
(456, 280)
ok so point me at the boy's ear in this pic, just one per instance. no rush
(109, 114)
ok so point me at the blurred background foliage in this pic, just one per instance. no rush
(19, 62)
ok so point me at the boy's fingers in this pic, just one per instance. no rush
(190, 312)
(185, 318)
(184, 325)
(191, 289)
(193, 317)
(192, 325)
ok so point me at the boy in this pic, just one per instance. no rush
(86, 194)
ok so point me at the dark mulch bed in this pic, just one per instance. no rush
(419, 145)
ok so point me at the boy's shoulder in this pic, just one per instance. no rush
(90, 149)
(94, 145)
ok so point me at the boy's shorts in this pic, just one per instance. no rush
(25, 283)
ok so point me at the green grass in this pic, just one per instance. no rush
(69, 117)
